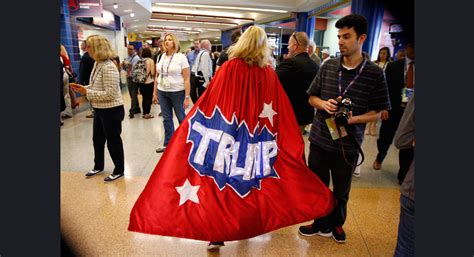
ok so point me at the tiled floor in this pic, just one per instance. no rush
(94, 215)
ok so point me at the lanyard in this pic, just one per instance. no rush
(167, 69)
(353, 80)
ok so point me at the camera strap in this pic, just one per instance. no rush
(359, 148)
(353, 80)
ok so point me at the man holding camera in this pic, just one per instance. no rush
(348, 91)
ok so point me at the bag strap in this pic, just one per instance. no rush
(199, 61)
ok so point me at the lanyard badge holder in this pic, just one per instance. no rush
(337, 122)
(164, 81)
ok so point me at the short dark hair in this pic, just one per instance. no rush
(132, 45)
(236, 35)
(146, 53)
(356, 21)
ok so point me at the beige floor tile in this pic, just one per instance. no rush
(94, 220)
(376, 212)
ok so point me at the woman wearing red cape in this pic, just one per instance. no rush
(234, 168)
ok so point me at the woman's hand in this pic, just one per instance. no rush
(187, 102)
(78, 88)
(155, 99)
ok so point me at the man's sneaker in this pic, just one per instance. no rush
(339, 235)
(311, 230)
(357, 172)
(93, 172)
(214, 245)
(160, 149)
(113, 177)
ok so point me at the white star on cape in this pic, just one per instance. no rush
(268, 112)
(187, 192)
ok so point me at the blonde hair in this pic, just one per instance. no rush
(99, 48)
(252, 47)
(175, 40)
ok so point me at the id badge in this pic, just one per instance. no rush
(331, 123)
(165, 83)
(406, 94)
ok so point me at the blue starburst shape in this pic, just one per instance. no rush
(229, 153)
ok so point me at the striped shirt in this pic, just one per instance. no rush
(369, 92)
(104, 88)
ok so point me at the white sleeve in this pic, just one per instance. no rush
(206, 68)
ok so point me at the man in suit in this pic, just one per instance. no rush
(296, 74)
(400, 78)
(85, 69)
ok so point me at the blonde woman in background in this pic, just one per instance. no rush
(105, 96)
(172, 86)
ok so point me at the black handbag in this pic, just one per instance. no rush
(72, 76)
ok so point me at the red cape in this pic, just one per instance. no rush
(223, 206)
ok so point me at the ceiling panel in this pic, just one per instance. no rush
(204, 17)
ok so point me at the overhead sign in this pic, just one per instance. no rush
(107, 20)
(85, 8)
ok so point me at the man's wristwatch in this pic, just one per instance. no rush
(186, 97)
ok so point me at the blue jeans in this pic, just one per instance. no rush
(406, 228)
(168, 102)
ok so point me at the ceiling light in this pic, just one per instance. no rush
(115, 6)
(128, 10)
(223, 7)
(200, 14)
(136, 20)
(132, 14)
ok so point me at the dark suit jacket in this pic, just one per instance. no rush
(85, 68)
(296, 75)
(395, 76)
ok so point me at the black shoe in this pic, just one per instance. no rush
(113, 177)
(214, 245)
(137, 111)
(311, 230)
(339, 235)
(93, 172)
(160, 149)
(131, 115)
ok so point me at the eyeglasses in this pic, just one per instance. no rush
(296, 39)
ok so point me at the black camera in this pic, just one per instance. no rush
(344, 106)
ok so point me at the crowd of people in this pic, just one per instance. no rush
(316, 87)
